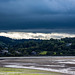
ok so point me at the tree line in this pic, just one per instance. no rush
(30, 47)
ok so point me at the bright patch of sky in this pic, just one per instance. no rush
(43, 36)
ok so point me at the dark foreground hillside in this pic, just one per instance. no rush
(52, 47)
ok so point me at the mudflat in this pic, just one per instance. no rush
(63, 65)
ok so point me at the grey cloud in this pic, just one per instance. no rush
(63, 6)
(23, 7)
(37, 6)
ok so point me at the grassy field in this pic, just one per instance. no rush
(14, 71)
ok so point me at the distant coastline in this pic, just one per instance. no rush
(70, 30)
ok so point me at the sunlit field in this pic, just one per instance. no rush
(15, 71)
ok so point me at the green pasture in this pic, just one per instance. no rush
(15, 71)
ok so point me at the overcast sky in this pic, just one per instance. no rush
(21, 14)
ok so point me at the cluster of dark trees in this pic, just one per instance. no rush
(52, 47)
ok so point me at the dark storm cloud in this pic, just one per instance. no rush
(37, 6)
(37, 13)
(23, 7)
